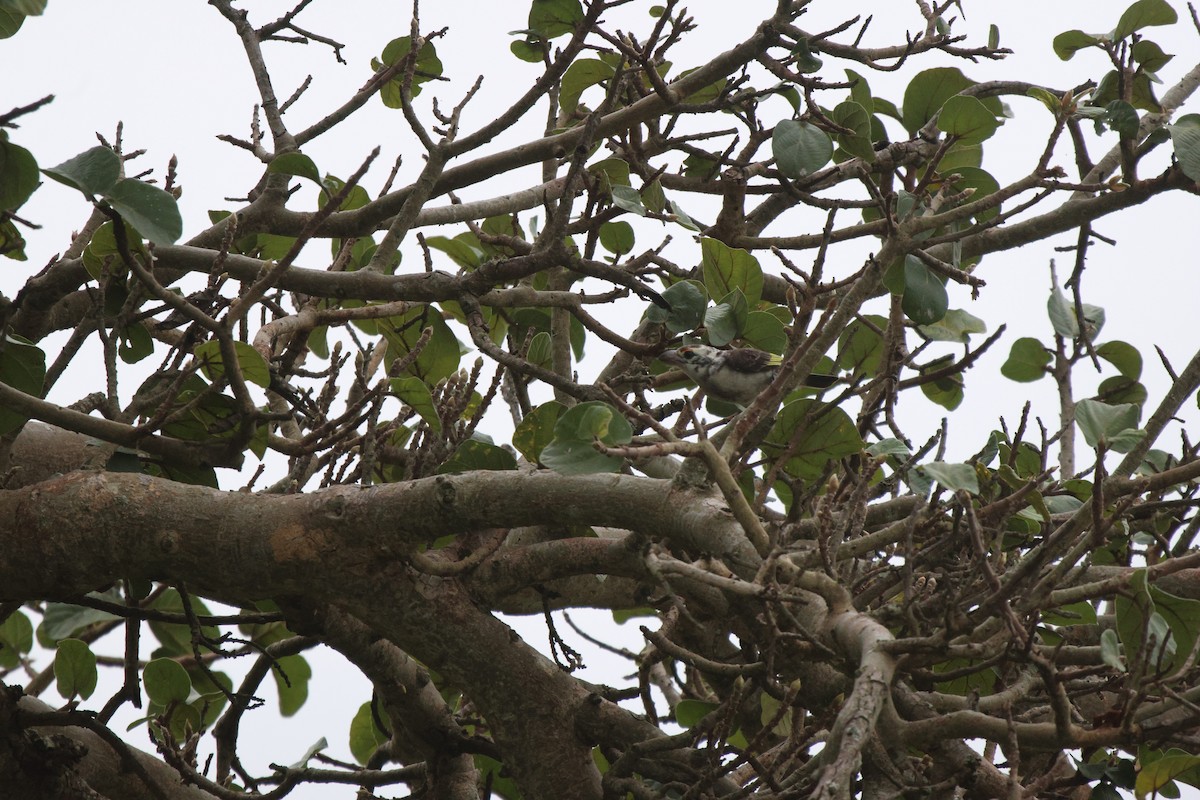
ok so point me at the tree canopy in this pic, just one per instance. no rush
(389, 410)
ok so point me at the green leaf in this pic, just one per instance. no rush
(929, 90)
(18, 175)
(30, 8)
(726, 320)
(1122, 118)
(536, 430)
(473, 454)
(617, 237)
(464, 249)
(806, 62)
(92, 172)
(726, 268)
(1115, 426)
(1144, 14)
(428, 66)
(414, 393)
(925, 300)
(582, 73)
(75, 669)
(688, 303)
(860, 347)
(956, 326)
(853, 116)
(1123, 356)
(1062, 316)
(292, 674)
(553, 18)
(967, 118)
(1150, 56)
(689, 713)
(946, 391)
(253, 366)
(628, 199)
(23, 367)
(1027, 361)
(440, 357)
(1050, 100)
(527, 51)
(365, 735)
(134, 343)
(571, 452)
(955, 477)
(829, 435)
(16, 637)
(800, 149)
(1155, 776)
(153, 212)
(1185, 136)
(296, 164)
(978, 179)
(1110, 650)
(1067, 43)
(166, 682)
(1081, 613)
(765, 331)
(1183, 618)
(64, 620)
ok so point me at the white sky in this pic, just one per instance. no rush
(175, 74)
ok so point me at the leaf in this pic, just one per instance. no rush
(365, 735)
(1110, 650)
(1122, 118)
(929, 90)
(1149, 55)
(428, 66)
(617, 237)
(16, 637)
(955, 477)
(828, 435)
(850, 114)
(23, 367)
(414, 393)
(1062, 314)
(75, 669)
(688, 302)
(296, 164)
(1050, 100)
(925, 299)
(765, 331)
(860, 347)
(250, 362)
(571, 452)
(292, 674)
(92, 172)
(800, 149)
(726, 268)
(441, 355)
(726, 320)
(1101, 423)
(552, 18)
(153, 212)
(1027, 361)
(1144, 14)
(582, 73)
(166, 682)
(1155, 776)
(536, 430)
(628, 199)
(967, 118)
(473, 454)
(1185, 136)
(1067, 43)
(19, 175)
(690, 713)
(956, 326)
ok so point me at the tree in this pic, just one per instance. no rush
(828, 606)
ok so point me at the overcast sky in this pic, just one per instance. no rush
(175, 74)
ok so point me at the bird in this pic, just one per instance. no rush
(737, 375)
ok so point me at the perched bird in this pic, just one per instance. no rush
(737, 375)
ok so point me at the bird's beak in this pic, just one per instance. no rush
(671, 357)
